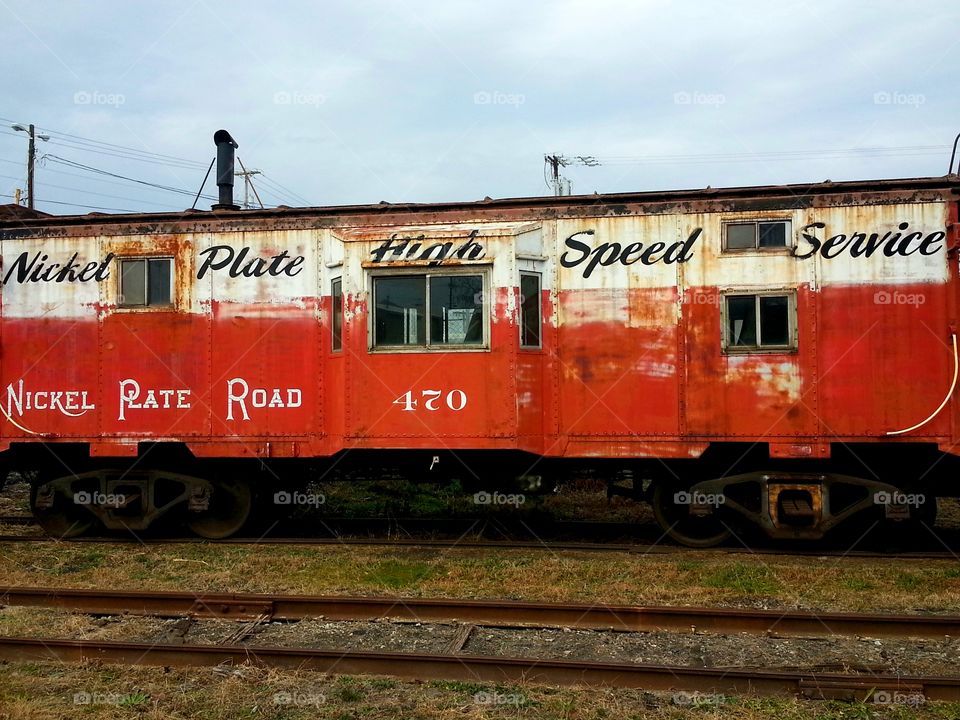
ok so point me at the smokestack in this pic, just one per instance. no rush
(225, 147)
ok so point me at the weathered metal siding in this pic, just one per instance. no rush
(50, 375)
(377, 380)
(618, 337)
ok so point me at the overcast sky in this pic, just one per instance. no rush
(358, 102)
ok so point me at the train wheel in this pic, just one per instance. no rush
(230, 505)
(63, 519)
(681, 526)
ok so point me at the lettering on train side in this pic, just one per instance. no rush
(132, 397)
(608, 253)
(239, 396)
(860, 244)
(219, 257)
(406, 249)
(72, 403)
(36, 268)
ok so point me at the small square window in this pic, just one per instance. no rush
(756, 234)
(741, 236)
(336, 311)
(146, 282)
(530, 310)
(759, 321)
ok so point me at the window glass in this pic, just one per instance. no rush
(456, 310)
(158, 281)
(774, 320)
(529, 310)
(742, 320)
(759, 321)
(133, 282)
(741, 236)
(336, 294)
(773, 234)
(400, 317)
(428, 310)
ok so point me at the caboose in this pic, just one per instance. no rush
(781, 358)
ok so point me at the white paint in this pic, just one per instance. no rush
(239, 393)
(72, 403)
(132, 397)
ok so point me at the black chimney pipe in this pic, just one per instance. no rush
(225, 147)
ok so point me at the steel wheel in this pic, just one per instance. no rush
(230, 505)
(64, 519)
(681, 526)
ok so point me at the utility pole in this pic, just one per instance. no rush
(560, 184)
(248, 184)
(31, 157)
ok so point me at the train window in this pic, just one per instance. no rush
(336, 310)
(759, 321)
(399, 317)
(756, 234)
(146, 282)
(401, 303)
(456, 310)
(529, 310)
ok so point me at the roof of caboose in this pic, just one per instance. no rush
(827, 193)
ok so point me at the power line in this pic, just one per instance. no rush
(93, 192)
(286, 189)
(85, 177)
(80, 140)
(126, 156)
(89, 168)
(98, 147)
(267, 190)
(119, 148)
(89, 207)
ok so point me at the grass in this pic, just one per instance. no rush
(745, 579)
(909, 581)
(397, 574)
(47, 691)
(694, 578)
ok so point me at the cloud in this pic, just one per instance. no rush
(402, 101)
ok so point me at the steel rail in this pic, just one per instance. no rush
(489, 613)
(472, 668)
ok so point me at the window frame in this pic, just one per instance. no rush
(483, 271)
(756, 222)
(792, 345)
(145, 259)
(539, 277)
(336, 329)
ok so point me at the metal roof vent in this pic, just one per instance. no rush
(225, 154)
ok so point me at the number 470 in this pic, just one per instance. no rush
(455, 400)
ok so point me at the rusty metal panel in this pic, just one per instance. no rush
(632, 361)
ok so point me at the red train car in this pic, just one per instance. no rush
(780, 357)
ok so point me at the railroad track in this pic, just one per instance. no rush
(454, 665)
(485, 613)
(473, 668)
